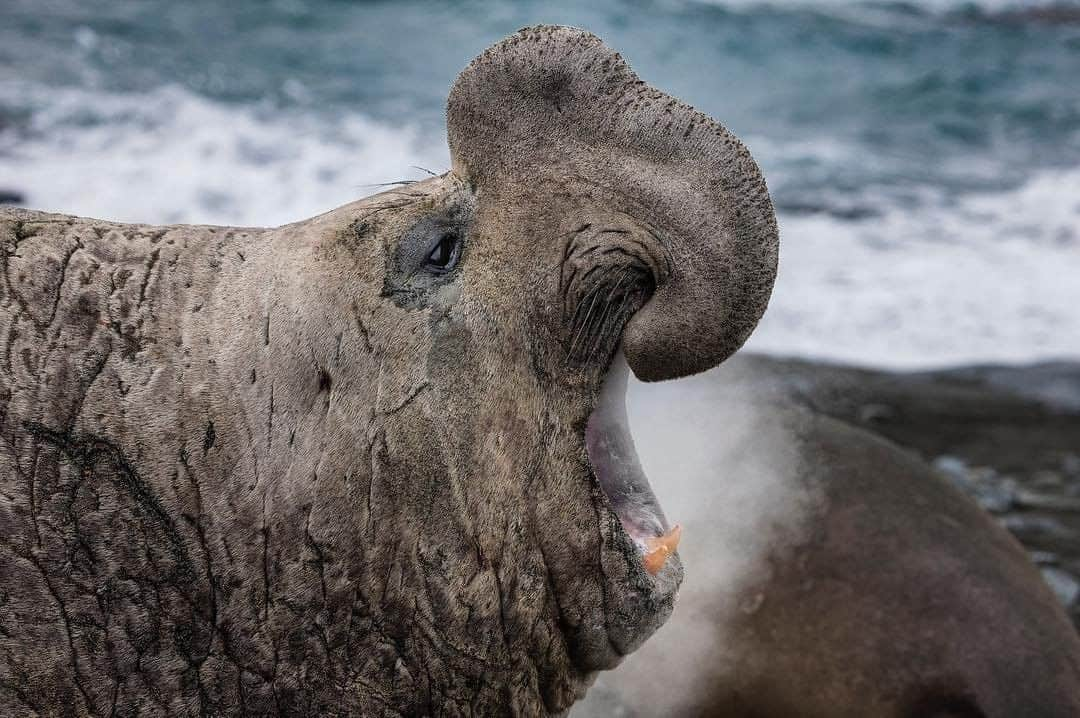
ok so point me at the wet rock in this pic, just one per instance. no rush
(1031, 527)
(1045, 558)
(952, 466)
(1049, 480)
(992, 491)
(1064, 585)
(997, 499)
(1046, 502)
(956, 473)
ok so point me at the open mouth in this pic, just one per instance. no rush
(617, 469)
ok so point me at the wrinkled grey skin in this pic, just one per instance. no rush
(292, 471)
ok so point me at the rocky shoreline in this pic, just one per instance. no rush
(1009, 437)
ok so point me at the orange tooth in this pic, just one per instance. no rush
(660, 547)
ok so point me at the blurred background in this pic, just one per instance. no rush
(924, 156)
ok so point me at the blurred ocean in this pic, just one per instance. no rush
(924, 156)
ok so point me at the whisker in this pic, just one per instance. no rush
(601, 330)
(585, 322)
(390, 184)
(604, 327)
(592, 323)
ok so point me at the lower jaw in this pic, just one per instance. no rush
(639, 570)
(636, 602)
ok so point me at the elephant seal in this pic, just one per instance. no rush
(358, 465)
(830, 574)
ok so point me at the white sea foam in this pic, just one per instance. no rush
(991, 277)
(171, 156)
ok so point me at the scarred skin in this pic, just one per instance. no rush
(292, 471)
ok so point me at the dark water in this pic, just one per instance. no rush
(946, 129)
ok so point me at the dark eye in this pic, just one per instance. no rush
(444, 255)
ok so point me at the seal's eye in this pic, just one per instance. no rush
(444, 254)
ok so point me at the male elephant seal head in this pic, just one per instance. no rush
(587, 154)
(584, 209)
(375, 461)
(585, 213)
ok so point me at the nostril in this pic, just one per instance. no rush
(609, 272)
(600, 309)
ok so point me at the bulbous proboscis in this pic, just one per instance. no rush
(558, 95)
